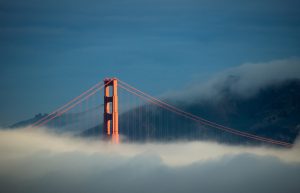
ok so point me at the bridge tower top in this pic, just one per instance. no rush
(111, 110)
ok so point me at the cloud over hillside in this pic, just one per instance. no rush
(244, 80)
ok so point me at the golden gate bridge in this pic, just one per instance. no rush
(137, 116)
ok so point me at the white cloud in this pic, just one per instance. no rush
(244, 81)
(33, 160)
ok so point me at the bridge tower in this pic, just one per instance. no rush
(111, 114)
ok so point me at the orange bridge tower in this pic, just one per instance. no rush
(111, 114)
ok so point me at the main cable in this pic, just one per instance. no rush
(67, 104)
(61, 112)
(199, 119)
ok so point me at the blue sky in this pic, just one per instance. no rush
(52, 50)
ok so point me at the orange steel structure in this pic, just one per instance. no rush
(110, 123)
(111, 111)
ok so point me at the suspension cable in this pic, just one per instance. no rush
(80, 100)
(67, 104)
(198, 119)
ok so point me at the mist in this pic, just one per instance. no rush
(36, 160)
(244, 81)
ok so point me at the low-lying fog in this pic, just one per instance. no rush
(34, 160)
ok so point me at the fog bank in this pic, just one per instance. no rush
(243, 81)
(34, 160)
